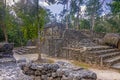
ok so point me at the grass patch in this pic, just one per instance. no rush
(44, 61)
(81, 64)
(50, 60)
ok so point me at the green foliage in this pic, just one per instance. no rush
(23, 25)
(14, 36)
(81, 64)
(29, 16)
(113, 20)
(1, 35)
(28, 19)
(1, 20)
(100, 28)
(42, 16)
(94, 7)
(84, 24)
(115, 6)
(114, 23)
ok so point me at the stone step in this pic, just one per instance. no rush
(31, 47)
(99, 52)
(112, 60)
(26, 49)
(109, 55)
(97, 48)
(18, 52)
(116, 66)
(22, 50)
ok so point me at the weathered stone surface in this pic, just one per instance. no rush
(44, 77)
(11, 71)
(76, 75)
(73, 43)
(6, 49)
(6, 60)
(112, 39)
(58, 71)
(45, 66)
(64, 64)
(37, 78)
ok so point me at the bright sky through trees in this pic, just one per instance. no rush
(57, 8)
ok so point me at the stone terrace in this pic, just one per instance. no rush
(80, 46)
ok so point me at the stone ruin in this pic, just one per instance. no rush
(6, 49)
(57, 71)
(71, 39)
(75, 45)
(23, 70)
(86, 46)
(110, 39)
(43, 71)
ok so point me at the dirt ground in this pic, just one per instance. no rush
(106, 74)
(101, 74)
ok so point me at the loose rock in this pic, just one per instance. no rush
(59, 71)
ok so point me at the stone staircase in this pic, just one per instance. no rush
(104, 55)
(22, 50)
(26, 50)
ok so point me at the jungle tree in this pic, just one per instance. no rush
(94, 9)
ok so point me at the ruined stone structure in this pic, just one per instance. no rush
(26, 50)
(57, 71)
(82, 46)
(6, 53)
(111, 39)
(6, 49)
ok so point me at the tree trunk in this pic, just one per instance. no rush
(39, 56)
(39, 49)
(39, 33)
(77, 21)
(78, 15)
(93, 22)
(4, 24)
(5, 33)
(67, 16)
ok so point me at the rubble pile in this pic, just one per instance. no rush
(57, 71)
